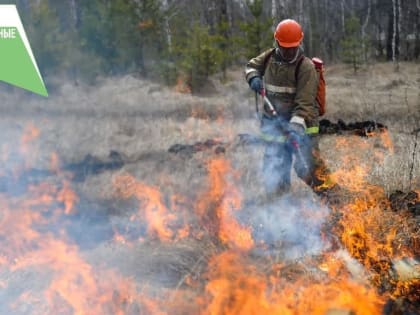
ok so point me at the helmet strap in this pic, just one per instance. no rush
(278, 51)
(296, 56)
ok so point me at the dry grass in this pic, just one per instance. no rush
(142, 120)
(382, 94)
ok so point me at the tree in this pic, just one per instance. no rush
(157, 38)
(152, 34)
(417, 31)
(109, 30)
(198, 55)
(224, 37)
(351, 44)
(47, 41)
(363, 30)
(258, 34)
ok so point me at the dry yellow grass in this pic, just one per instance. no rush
(142, 120)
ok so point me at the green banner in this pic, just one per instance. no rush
(17, 63)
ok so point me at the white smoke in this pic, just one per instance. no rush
(292, 226)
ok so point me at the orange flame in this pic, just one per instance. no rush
(236, 286)
(145, 24)
(217, 205)
(387, 141)
(236, 281)
(159, 218)
(30, 133)
(73, 285)
(67, 196)
(368, 227)
(182, 85)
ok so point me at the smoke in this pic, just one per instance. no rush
(292, 226)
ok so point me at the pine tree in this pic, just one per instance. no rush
(351, 45)
(108, 29)
(152, 41)
(47, 41)
(198, 55)
(258, 34)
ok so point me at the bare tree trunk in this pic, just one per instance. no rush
(365, 24)
(74, 12)
(74, 9)
(281, 7)
(309, 31)
(398, 39)
(417, 32)
(301, 18)
(274, 11)
(394, 29)
(343, 26)
(223, 18)
(168, 33)
(300, 13)
(379, 46)
(229, 12)
(326, 37)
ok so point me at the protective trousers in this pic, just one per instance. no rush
(278, 161)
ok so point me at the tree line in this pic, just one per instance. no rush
(193, 39)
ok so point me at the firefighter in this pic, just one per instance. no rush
(289, 123)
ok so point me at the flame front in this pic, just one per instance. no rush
(232, 276)
(218, 204)
(238, 286)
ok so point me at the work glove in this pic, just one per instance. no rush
(297, 129)
(296, 134)
(256, 84)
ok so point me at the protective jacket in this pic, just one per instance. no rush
(293, 93)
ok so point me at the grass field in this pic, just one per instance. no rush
(106, 238)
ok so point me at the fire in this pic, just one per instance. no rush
(54, 163)
(27, 247)
(234, 277)
(68, 197)
(33, 238)
(237, 286)
(145, 24)
(217, 206)
(368, 229)
(199, 113)
(30, 133)
(152, 206)
(387, 141)
(182, 85)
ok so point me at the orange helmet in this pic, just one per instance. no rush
(288, 33)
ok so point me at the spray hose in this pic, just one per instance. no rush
(292, 140)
